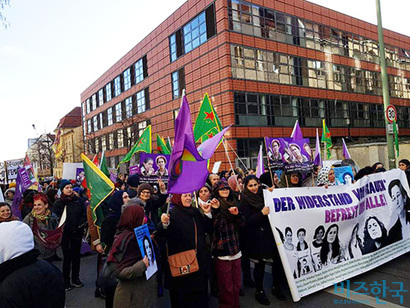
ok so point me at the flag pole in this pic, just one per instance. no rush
(237, 155)
(230, 163)
(269, 166)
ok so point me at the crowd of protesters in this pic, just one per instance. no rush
(225, 223)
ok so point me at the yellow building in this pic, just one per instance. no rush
(71, 139)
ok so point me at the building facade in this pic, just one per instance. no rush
(71, 139)
(265, 64)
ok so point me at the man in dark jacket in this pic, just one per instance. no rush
(26, 281)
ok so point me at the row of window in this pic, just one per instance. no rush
(193, 34)
(263, 22)
(267, 66)
(116, 140)
(123, 82)
(253, 109)
(126, 109)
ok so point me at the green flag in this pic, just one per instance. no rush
(396, 138)
(100, 187)
(327, 139)
(103, 165)
(144, 144)
(207, 123)
(169, 146)
(161, 146)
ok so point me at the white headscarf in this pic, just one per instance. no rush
(16, 238)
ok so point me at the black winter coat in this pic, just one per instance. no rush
(28, 282)
(259, 240)
(76, 220)
(180, 236)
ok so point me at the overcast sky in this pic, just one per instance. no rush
(55, 49)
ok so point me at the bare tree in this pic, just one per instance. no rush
(43, 154)
(3, 22)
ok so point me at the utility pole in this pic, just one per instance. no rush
(385, 87)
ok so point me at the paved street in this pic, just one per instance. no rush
(397, 270)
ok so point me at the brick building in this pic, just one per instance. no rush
(265, 64)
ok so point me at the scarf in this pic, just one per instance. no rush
(322, 177)
(11, 218)
(255, 200)
(43, 218)
(225, 204)
(66, 198)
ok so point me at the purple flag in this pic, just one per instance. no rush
(113, 177)
(260, 169)
(18, 195)
(296, 132)
(318, 159)
(187, 168)
(346, 153)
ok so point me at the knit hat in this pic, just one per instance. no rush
(133, 180)
(64, 183)
(144, 186)
(219, 185)
(16, 239)
(77, 189)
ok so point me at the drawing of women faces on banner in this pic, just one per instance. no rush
(273, 149)
(2, 173)
(153, 166)
(296, 154)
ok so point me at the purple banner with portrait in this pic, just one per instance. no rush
(153, 167)
(25, 178)
(289, 154)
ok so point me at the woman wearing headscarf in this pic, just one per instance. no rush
(184, 229)
(290, 179)
(326, 176)
(75, 223)
(5, 213)
(42, 216)
(235, 182)
(128, 265)
(259, 241)
(226, 221)
(108, 229)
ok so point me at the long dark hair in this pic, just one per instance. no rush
(358, 239)
(324, 251)
(368, 241)
(145, 238)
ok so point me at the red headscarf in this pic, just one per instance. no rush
(176, 199)
(125, 250)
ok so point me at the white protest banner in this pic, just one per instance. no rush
(327, 235)
(2, 173)
(70, 170)
(216, 167)
(12, 166)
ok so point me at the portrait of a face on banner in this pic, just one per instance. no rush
(289, 154)
(153, 167)
(351, 229)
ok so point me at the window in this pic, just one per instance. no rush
(141, 127)
(127, 79)
(118, 112)
(108, 92)
(178, 83)
(101, 120)
(128, 107)
(142, 101)
(138, 71)
(100, 97)
(95, 123)
(89, 130)
(94, 101)
(84, 110)
(120, 139)
(117, 86)
(97, 145)
(87, 104)
(109, 116)
(248, 147)
(111, 141)
(193, 34)
(103, 143)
